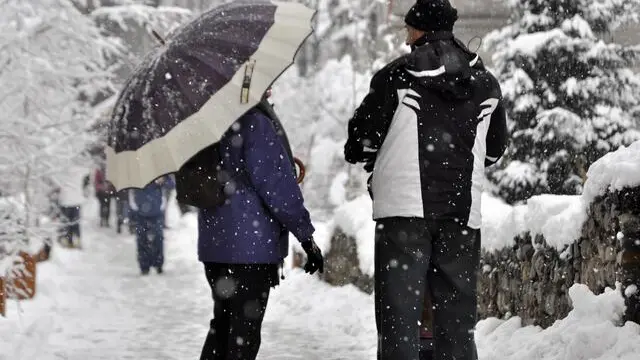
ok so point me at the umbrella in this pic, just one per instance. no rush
(186, 94)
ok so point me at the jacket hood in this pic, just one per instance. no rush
(442, 63)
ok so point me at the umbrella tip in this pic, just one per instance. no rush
(156, 35)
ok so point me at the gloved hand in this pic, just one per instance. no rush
(315, 261)
(369, 166)
(353, 152)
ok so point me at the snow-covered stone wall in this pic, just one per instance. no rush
(531, 278)
(531, 253)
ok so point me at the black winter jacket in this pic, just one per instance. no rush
(431, 122)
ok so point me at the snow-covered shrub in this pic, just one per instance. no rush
(569, 92)
(315, 112)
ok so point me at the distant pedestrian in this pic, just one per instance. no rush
(70, 196)
(147, 207)
(103, 191)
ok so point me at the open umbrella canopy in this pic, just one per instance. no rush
(184, 95)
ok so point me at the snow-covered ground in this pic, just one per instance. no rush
(92, 304)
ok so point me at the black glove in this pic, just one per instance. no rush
(353, 152)
(369, 166)
(315, 261)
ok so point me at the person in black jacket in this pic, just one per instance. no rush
(433, 120)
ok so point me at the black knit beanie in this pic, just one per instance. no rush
(432, 15)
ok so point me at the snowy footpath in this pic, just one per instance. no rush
(93, 304)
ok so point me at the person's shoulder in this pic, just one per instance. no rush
(253, 123)
(394, 66)
(391, 71)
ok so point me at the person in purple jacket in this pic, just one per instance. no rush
(243, 242)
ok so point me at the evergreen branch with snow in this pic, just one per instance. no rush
(570, 93)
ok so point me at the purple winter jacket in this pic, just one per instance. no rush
(265, 202)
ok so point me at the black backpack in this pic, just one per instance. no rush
(200, 182)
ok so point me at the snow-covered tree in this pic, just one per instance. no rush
(58, 59)
(53, 63)
(315, 111)
(569, 92)
(364, 30)
(140, 28)
(352, 38)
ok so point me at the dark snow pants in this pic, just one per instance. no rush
(104, 200)
(122, 210)
(413, 255)
(150, 241)
(240, 295)
(71, 223)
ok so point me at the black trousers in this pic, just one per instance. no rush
(71, 223)
(240, 295)
(413, 256)
(122, 207)
(104, 199)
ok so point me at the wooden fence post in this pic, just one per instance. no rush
(22, 278)
(2, 297)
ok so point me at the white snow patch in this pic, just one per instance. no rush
(354, 218)
(588, 332)
(614, 171)
(559, 218)
(499, 225)
(531, 44)
(337, 191)
(91, 304)
(579, 25)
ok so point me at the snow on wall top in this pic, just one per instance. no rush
(559, 218)
(614, 171)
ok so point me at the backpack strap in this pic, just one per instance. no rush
(267, 109)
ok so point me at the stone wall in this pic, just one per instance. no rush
(531, 279)
(342, 265)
